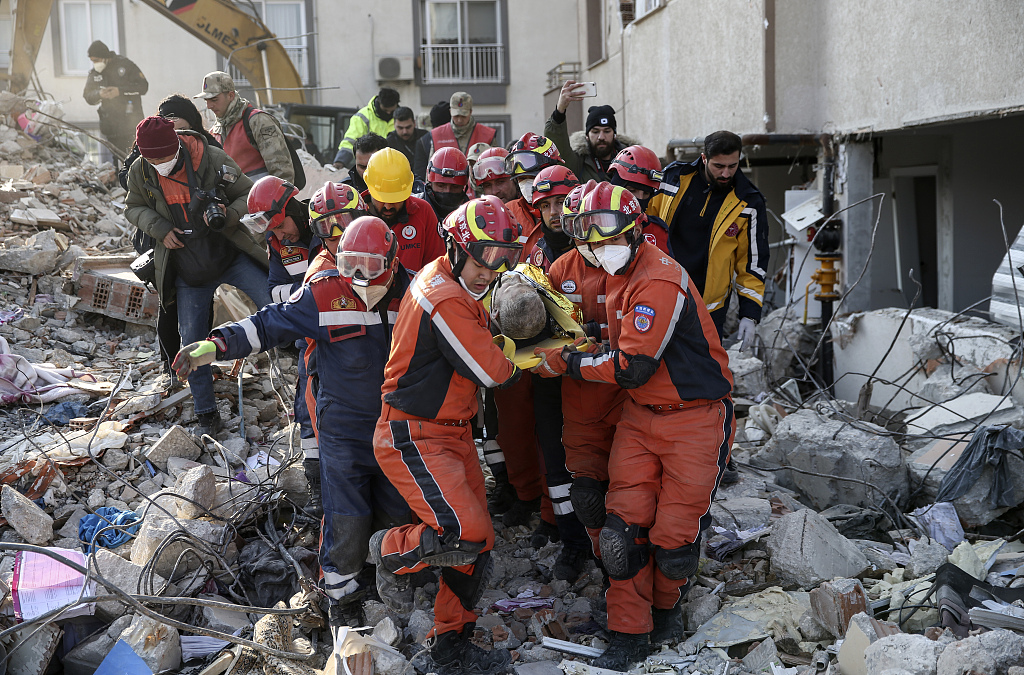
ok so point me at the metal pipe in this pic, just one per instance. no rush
(827, 208)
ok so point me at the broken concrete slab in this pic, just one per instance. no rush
(36, 646)
(198, 487)
(863, 631)
(223, 620)
(962, 415)
(747, 373)
(33, 524)
(174, 443)
(157, 643)
(39, 255)
(926, 556)
(990, 653)
(156, 528)
(123, 574)
(741, 513)
(762, 657)
(903, 651)
(771, 613)
(813, 442)
(806, 550)
(835, 602)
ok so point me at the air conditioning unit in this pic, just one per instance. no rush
(391, 67)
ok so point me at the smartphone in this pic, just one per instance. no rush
(589, 89)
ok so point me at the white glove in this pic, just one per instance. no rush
(746, 333)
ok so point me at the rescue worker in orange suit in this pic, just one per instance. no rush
(672, 443)
(461, 133)
(492, 177)
(388, 196)
(447, 181)
(528, 156)
(550, 187)
(442, 352)
(275, 210)
(350, 311)
(638, 169)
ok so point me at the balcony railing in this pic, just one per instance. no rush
(454, 64)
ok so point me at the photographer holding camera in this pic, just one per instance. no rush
(189, 196)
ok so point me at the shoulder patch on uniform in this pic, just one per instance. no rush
(643, 318)
(294, 297)
(650, 238)
(538, 257)
(409, 232)
(342, 303)
(568, 286)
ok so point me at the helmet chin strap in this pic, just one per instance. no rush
(476, 296)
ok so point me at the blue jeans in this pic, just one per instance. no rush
(195, 304)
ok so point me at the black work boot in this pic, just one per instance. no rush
(543, 533)
(347, 612)
(521, 512)
(570, 563)
(624, 650)
(668, 625)
(503, 496)
(208, 424)
(395, 590)
(453, 654)
(730, 476)
(315, 506)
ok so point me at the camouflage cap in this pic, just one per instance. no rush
(217, 82)
(461, 103)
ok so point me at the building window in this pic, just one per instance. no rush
(502, 127)
(286, 19)
(462, 42)
(81, 23)
(595, 31)
(643, 7)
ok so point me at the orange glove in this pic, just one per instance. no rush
(551, 362)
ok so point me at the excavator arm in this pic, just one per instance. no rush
(243, 39)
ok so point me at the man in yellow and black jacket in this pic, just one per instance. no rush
(718, 230)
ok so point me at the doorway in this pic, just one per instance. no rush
(915, 233)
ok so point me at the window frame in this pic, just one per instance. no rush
(422, 30)
(308, 21)
(60, 33)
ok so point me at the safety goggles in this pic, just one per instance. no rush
(447, 172)
(653, 174)
(334, 224)
(607, 224)
(489, 168)
(494, 254)
(368, 265)
(525, 162)
(259, 222)
(549, 185)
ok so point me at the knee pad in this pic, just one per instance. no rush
(679, 563)
(445, 551)
(623, 558)
(469, 588)
(587, 498)
(350, 538)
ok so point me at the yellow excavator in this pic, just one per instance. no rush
(241, 38)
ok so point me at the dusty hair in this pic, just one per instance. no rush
(518, 310)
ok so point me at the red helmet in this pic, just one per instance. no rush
(267, 199)
(530, 154)
(637, 164)
(368, 252)
(490, 165)
(571, 205)
(448, 165)
(333, 207)
(484, 229)
(605, 212)
(553, 181)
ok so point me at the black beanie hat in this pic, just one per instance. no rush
(440, 114)
(99, 50)
(600, 116)
(177, 105)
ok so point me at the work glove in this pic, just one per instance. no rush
(552, 363)
(587, 344)
(746, 333)
(193, 356)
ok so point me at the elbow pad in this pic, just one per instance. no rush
(516, 374)
(638, 370)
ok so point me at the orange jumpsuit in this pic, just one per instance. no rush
(673, 440)
(442, 352)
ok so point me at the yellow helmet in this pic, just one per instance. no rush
(388, 176)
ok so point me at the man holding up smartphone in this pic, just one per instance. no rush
(588, 153)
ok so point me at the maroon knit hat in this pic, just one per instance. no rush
(156, 138)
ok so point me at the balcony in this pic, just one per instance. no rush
(463, 64)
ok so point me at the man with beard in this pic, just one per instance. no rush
(462, 132)
(406, 133)
(447, 180)
(718, 230)
(588, 154)
(375, 117)
(388, 196)
(364, 147)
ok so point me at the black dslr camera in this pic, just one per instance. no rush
(212, 204)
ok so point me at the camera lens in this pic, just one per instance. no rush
(215, 217)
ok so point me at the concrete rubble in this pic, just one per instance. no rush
(813, 545)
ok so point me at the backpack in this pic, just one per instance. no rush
(300, 174)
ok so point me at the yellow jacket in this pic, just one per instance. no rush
(739, 238)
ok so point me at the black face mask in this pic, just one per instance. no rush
(447, 199)
(559, 241)
(386, 116)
